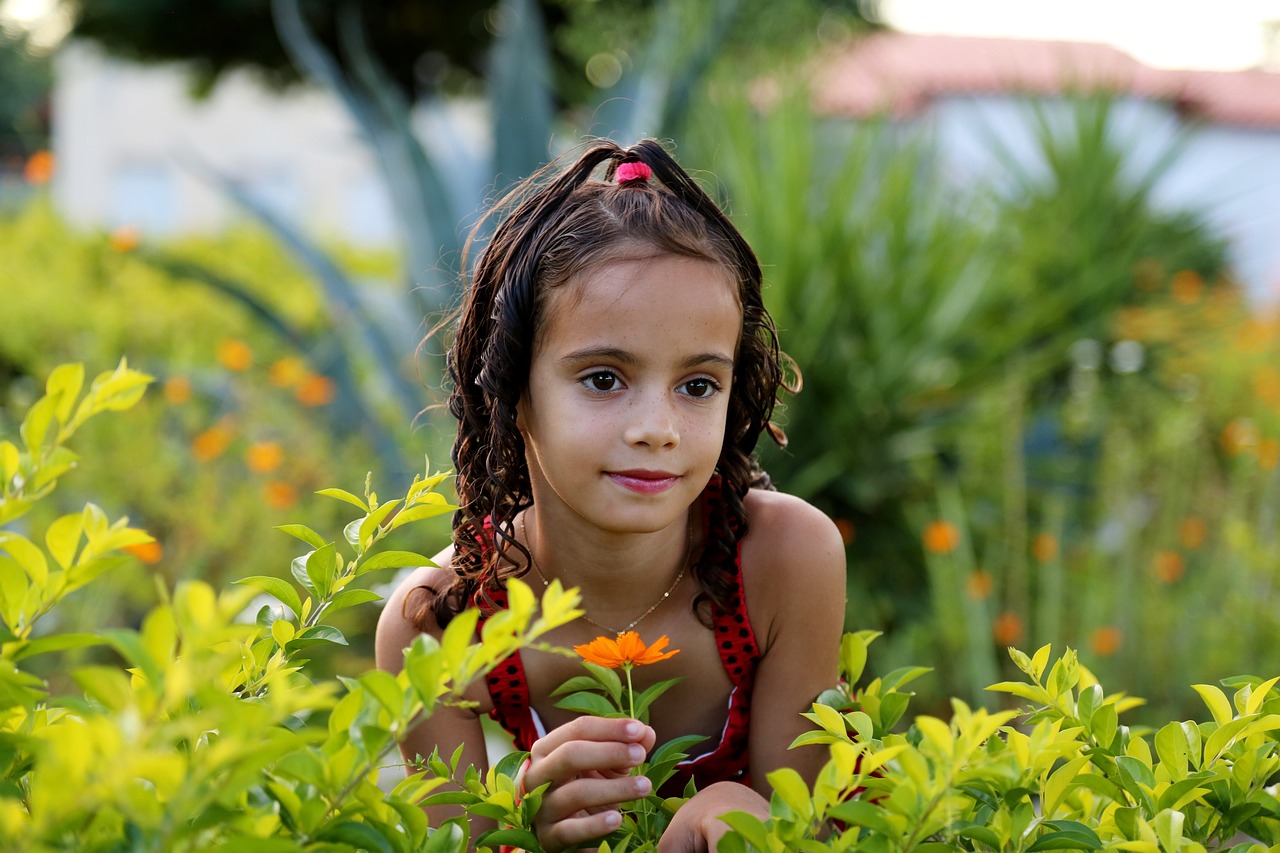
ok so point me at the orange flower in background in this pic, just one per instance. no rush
(1168, 566)
(1105, 642)
(626, 651)
(978, 585)
(40, 168)
(1239, 435)
(234, 355)
(279, 495)
(146, 552)
(1045, 547)
(177, 390)
(1256, 335)
(1266, 384)
(941, 537)
(1007, 629)
(264, 456)
(847, 531)
(316, 390)
(212, 443)
(1268, 453)
(124, 239)
(1187, 285)
(287, 372)
(1191, 532)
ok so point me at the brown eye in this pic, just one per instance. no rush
(602, 381)
(700, 388)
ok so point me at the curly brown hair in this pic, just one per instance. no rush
(561, 227)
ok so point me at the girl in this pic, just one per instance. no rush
(612, 370)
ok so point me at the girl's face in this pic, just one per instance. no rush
(624, 415)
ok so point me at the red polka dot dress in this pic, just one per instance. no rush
(739, 653)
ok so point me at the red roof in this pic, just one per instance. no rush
(900, 74)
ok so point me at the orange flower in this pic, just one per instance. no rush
(279, 495)
(1105, 642)
(1045, 547)
(978, 585)
(1168, 566)
(626, 651)
(40, 167)
(287, 372)
(124, 239)
(146, 552)
(941, 537)
(177, 390)
(1268, 453)
(847, 531)
(1255, 335)
(1007, 629)
(1239, 435)
(1191, 532)
(316, 390)
(234, 355)
(212, 443)
(1266, 384)
(264, 456)
(1187, 285)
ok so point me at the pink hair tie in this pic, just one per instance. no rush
(632, 171)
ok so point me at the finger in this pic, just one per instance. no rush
(591, 794)
(596, 729)
(576, 758)
(573, 831)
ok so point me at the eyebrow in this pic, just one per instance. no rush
(623, 357)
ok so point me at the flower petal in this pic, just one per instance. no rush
(601, 651)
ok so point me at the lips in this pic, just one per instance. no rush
(644, 482)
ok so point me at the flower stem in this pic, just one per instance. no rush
(631, 693)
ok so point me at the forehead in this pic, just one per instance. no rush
(627, 296)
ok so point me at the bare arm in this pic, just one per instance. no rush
(448, 726)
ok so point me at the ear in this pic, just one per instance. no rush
(520, 413)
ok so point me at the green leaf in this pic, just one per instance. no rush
(63, 387)
(281, 590)
(384, 687)
(322, 565)
(521, 839)
(28, 556)
(343, 495)
(588, 703)
(35, 426)
(1216, 701)
(63, 537)
(862, 813)
(56, 643)
(373, 521)
(651, 693)
(902, 676)
(790, 787)
(306, 534)
(419, 513)
(749, 827)
(1172, 747)
(317, 634)
(350, 598)
(393, 560)
(853, 657)
(359, 835)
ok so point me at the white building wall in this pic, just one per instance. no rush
(126, 138)
(1229, 175)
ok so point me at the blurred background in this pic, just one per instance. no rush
(1025, 254)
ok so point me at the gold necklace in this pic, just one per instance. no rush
(524, 534)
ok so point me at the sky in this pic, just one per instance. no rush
(1223, 34)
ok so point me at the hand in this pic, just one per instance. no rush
(697, 828)
(587, 763)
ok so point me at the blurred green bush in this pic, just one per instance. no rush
(242, 430)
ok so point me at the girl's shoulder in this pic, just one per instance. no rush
(792, 555)
(396, 627)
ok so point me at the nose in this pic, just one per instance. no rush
(653, 423)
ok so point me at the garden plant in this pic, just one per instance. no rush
(204, 729)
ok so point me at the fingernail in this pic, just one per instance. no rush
(635, 753)
(633, 729)
(643, 785)
(613, 820)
